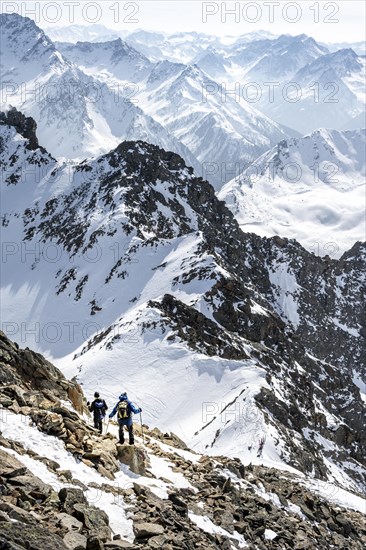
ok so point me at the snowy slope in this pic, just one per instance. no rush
(128, 266)
(311, 189)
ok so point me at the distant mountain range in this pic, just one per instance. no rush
(311, 189)
(193, 94)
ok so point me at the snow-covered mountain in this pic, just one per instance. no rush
(222, 133)
(133, 270)
(78, 115)
(87, 97)
(178, 47)
(272, 59)
(129, 258)
(26, 53)
(311, 189)
(187, 46)
(187, 103)
(93, 32)
(333, 81)
(293, 79)
(115, 58)
(358, 47)
(213, 62)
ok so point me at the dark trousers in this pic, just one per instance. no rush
(130, 434)
(98, 424)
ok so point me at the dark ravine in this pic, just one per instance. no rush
(34, 516)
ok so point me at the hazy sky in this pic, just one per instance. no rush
(343, 20)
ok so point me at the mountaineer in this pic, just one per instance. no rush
(124, 409)
(98, 408)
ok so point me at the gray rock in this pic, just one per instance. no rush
(94, 543)
(29, 537)
(69, 522)
(147, 530)
(94, 520)
(18, 514)
(69, 496)
(31, 485)
(75, 540)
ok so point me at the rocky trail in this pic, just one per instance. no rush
(101, 495)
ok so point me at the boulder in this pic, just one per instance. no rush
(18, 514)
(146, 530)
(69, 522)
(94, 520)
(94, 543)
(134, 457)
(75, 395)
(31, 485)
(74, 540)
(30, 537)
(69, 497)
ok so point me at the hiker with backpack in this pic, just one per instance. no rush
(124, 409)
(98, 408)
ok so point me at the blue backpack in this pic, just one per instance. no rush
(100, 409)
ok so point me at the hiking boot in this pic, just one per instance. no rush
(131, 442)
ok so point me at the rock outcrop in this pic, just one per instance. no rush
(25, 126)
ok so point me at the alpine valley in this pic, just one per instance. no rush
(133, 260)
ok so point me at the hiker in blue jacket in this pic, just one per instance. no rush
(124, 409)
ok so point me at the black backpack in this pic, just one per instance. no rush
(99, 409)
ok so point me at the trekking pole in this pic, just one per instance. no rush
(106, 430)
(142, 430)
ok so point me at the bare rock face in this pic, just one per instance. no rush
(28, 377)
(134, 457)
(25, 126)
